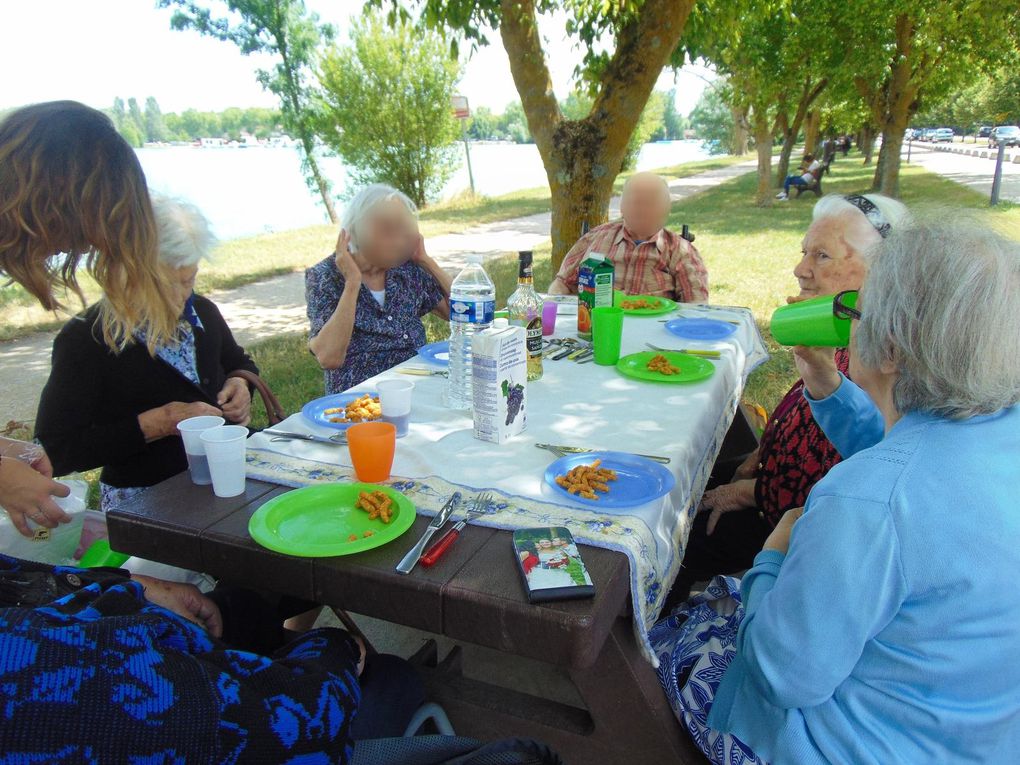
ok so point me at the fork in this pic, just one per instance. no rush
(481, 506)
(563, 451)
(688, 351)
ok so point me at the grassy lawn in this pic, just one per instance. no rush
(750, 253)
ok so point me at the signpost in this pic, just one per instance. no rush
(997, 178)
(462, 111)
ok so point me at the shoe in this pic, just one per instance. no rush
(782, 196)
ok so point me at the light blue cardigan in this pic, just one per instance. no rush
(890, 632)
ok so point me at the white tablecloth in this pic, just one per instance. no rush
(580, 405)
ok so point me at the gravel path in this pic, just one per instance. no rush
(277, 305)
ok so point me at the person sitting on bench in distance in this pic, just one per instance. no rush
(805, 177)
(648, 257)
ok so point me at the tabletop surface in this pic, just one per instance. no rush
(474, 593)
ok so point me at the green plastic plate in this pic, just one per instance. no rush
(692, 369)
(665, 305)
(316, 521)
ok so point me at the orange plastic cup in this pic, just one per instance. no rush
(372, 445)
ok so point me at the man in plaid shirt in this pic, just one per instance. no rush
(649, 259)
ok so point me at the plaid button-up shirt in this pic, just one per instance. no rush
(666, 265)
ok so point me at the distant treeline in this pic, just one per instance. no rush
(141, 125)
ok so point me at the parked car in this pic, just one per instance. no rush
(928, 134)
(984, 131)
(943, 135)
(1007, 135)
(912, 134)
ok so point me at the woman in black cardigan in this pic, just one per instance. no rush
(120, 409)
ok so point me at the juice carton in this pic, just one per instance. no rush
(499, 371)
(594, 289)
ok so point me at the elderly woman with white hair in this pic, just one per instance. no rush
(118, 408)
(738, 514)
(366, 300)
(880, 624)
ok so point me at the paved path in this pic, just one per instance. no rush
(277, 305)
(971, 170)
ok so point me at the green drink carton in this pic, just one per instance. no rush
(594, 289)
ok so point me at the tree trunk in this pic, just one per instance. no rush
(791, 128)
(739, 146)
(887, 173)
(867, 143)
(812, 122)
(583, 157)
(763, 145)
(899, 105)
(308, 145)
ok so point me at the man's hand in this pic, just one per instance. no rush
(184, 600)
(779, 539)
(235, 400)
(28, 493)
(817, 367)
(738, 495)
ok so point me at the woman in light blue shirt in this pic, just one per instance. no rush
(883, 624)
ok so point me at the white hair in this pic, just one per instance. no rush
(861, 235)
(184, 235)
(362, 203)
(942, 303)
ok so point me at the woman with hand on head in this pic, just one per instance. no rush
(864, 632)
(794, 454)
(120, 411)
(366, 300)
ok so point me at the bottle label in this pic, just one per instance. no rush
(472, 311)
(534, 337)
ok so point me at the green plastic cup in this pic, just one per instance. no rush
(99, 555)
(607, 332)
(812, 323)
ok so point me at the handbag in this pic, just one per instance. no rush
(274, 412)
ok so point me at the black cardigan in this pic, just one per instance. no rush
(88, 414)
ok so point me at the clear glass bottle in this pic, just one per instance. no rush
(525, 309)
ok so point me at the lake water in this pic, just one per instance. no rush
(255, 190)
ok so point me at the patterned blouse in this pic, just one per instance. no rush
(182, 358)
(794, 454)
(666, 265)
(93, 671)
(383, 336)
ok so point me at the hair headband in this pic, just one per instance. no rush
(871, 212)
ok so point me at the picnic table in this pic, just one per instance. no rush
(475, 594)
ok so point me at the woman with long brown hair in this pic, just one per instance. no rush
(73, 194)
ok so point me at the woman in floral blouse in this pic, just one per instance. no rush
(119, 411)
(366, 300)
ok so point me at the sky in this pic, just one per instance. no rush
(93, 51)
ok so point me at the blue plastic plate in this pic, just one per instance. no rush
(637, 480)
(701, 329)
(436, 353)
(314, 411)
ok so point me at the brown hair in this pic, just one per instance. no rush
(71, 189)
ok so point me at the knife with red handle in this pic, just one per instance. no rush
(435, 552)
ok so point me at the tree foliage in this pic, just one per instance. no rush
(387, 107)
(287, 31)
(712, 120)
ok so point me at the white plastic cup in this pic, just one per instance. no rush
(395, 400)
(225, 448)
(191, 430)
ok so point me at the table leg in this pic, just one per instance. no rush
(628, 720)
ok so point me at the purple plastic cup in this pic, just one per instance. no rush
(548, 318)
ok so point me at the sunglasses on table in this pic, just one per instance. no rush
(843, 311)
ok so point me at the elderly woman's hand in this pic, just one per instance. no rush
(162, 421)
(738, 495)
(184, 600)
(817, 368)
(779, 539)
(345, 262)
(27, 492)
(235, 400)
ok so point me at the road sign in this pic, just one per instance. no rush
(460, 107)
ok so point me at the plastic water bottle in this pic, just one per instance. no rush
(472, 305)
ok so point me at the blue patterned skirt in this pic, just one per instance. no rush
(695, 644)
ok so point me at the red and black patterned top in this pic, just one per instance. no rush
(794, 454)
